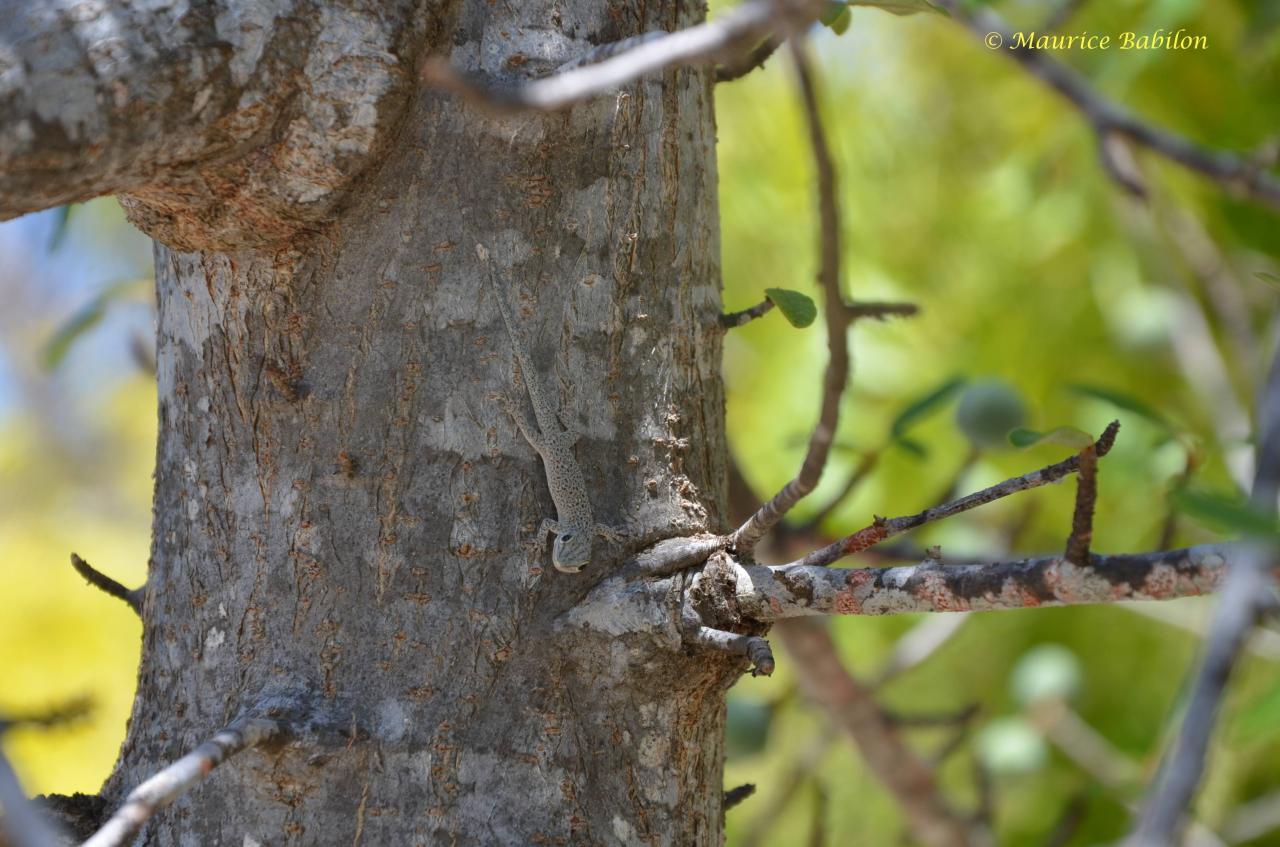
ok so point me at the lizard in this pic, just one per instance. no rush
(574, 526)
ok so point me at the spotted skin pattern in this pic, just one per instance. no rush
(574, 526)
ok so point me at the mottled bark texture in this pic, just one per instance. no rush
(343, 516)
(224, 124)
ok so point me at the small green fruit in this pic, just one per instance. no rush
(988, 410)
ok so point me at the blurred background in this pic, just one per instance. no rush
(1049, 298)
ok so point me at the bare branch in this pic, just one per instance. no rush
(733, 320)
(108, 585)
(880, 311)
(770, 593)
(745, 538)
(1086, 499)
(21, 823)
(735, 796)
(884, 528)
(908, 777)
(730, 34)
(1109, 118)
(753, 60)
(1249, 590)
(68, 712)
(859, 475)
(184, 774)
(673, 555)
(750, 647)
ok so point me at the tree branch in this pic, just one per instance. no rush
(726, 36)
(21, 823)
(108, 585)
(163, 102)
(1249, 590)
(750, 647)
(770, 593)
(745, 538)
(1109, 118)
(184, 774)
(884, 528)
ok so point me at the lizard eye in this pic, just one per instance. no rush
(567, 537)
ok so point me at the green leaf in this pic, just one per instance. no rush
(841, 24)
(1067, 436)
(901, 7)
(66, 335)
(60, 225)
(1124, 402)
(1270, 279)
(833, 11)
(913, 447)
(917, 410)
(797, 308)
(56, 349)
(1225, 513)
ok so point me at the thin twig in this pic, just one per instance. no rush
(745, 538)
(184, 774)
(1248, 591)
(884, 528)
(104, 583)
(735, 31)
(753, 60)
(858, 309)
(733, 320)
(1107, 117)
(735, 796)
(774, 592)
(69, 712)
(859, 475)
(1086, 499)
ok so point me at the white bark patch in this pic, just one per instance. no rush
(213, 640)
(392, 721)
(247, 27)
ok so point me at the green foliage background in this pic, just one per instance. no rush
(966, 188)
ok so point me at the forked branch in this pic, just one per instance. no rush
(1110, 119)
(838, 317)
(184, 774)
(770, 593)
(885, 528)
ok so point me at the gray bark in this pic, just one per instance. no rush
(343, 516)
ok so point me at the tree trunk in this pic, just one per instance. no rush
(344, 517)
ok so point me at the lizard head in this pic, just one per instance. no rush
(571, 550)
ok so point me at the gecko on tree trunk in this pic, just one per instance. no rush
(574, 525)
